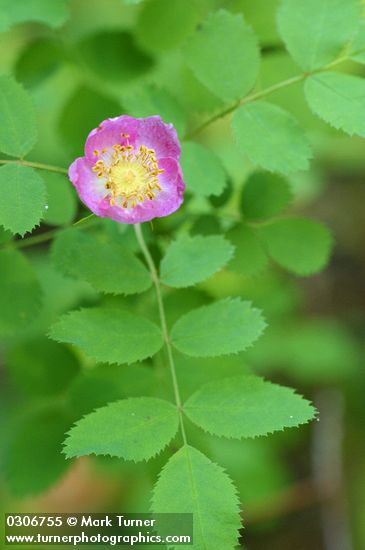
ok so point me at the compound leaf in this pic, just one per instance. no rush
(134, 429)
(109, 335)
(246, 406)
(190, 260)
(225, 327)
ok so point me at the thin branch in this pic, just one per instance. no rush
(38, 165)
(165, 332)
(47, 235)
(264, 93)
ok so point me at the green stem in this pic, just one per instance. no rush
(265, 92)
(47, 236)
(165, 332)
(38, 165)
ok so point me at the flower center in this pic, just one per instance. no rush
(131, 176)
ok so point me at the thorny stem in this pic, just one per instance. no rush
(164, 328)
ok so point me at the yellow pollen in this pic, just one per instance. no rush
(130, 175)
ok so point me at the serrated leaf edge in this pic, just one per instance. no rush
(217, 466)
(234, 352)
(145, 459)
(230, 248)
(265, 434)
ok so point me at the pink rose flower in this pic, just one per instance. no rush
(130, 171)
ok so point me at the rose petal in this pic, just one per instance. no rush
(151, 132)
(161, 137)
(109, 134)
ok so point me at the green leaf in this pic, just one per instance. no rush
(260, 15)
(109, 335)
(149, 101)
(61, 200)
(264, 195)
(18, 131)
(108, 267)
(271, 137)
(52, 13)
(22, 198)
(164, 25)
(246, 406)
(134, 429)
(190, 483)
(203, 171)
(357, 50)
(315, 32)
(256, 465)
(332, 353)
(19, 290)
(41, 367)
(97, 387)
(190, 260)
(225, 327)
(224, 197)
(300, 245)
(224, 55)
(250, 257)
(38, 61)
(207, 224)
(5, 236)
(113, 55)
(192, 373)
(34, 461)
(339, 99)
(88, 108)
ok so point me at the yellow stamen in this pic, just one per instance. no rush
(131, 174)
